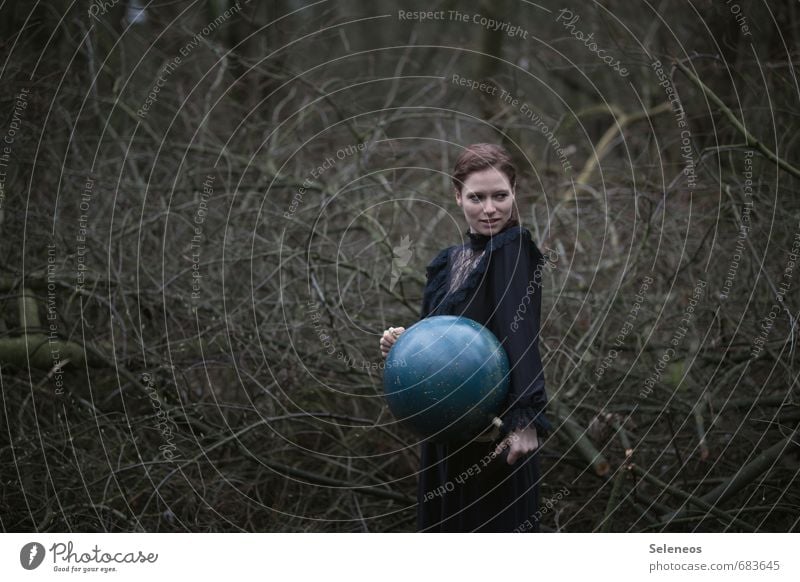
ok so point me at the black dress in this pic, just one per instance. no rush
(496, 281)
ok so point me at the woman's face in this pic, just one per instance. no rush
(487, 199)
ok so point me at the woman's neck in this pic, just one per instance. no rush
(509, 223)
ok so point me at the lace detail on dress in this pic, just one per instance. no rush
(465, 260)
(439, 298)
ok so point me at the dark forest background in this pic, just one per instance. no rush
(194, 279)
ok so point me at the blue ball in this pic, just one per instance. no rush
(446, 378)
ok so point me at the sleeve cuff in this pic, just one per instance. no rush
(522, 417)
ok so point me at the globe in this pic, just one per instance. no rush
(446, 377)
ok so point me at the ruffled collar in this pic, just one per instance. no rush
(478, 241)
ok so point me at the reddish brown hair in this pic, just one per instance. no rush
(479, 156)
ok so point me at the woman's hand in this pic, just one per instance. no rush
(389, 337)
(522, 442)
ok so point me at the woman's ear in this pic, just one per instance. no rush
(458, 196)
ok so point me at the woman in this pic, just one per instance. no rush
(490, 484)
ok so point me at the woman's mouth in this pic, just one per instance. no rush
(490, 222)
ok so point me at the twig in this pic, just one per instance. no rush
(605, 523)
(746, 475)
(751, 140)
(724, 515)
(576, 436)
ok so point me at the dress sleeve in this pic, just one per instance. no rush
(516, 297)
(436, 275)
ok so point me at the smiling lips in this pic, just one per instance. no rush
(491, 222)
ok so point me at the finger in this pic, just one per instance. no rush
(512, 457)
